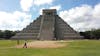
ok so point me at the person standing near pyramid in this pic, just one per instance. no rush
(25, 45)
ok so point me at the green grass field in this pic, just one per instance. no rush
(74, 48)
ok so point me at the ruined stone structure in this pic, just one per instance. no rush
(48, 26)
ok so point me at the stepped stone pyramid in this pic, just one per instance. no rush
(48, 26)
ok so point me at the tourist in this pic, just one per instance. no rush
(25, 45)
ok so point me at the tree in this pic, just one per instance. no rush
(93, 34)
(8, 34)
(86, 34)
(1, 34)
(96, 34)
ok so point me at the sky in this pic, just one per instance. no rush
(81, 15)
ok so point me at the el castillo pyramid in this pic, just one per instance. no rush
(48, 26)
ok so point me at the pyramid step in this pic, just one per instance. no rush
(30, 31)
(73, 37)
(25, 37)
(27, 34)
(71, 34)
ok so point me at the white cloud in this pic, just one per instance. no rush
(96, 12)
(14, 21)
(41, 10)
(42, 2)
(26, 4)
(56, 7)
(82, 18)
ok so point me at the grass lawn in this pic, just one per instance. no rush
(72, 48)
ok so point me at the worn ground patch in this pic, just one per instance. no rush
(43, 44)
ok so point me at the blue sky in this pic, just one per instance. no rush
(79, 14)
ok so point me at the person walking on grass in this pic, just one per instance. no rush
(25, 45)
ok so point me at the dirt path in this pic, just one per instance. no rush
(43, 44)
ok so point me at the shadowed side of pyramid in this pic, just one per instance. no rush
(31, 31)
(64, 31)
(48, 26)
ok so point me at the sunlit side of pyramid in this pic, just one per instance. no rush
(48, 26)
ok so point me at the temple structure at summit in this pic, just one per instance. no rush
(48, 26)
